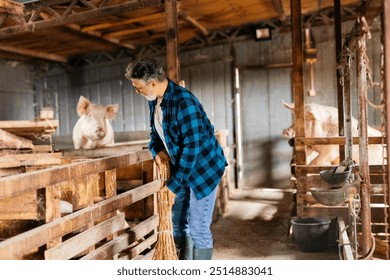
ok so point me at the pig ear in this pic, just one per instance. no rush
(111, 111)
(83, 106)
(290, 106)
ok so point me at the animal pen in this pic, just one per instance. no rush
(77, 204)
(358, 204)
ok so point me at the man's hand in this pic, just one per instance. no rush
(162, 159)
(168, 195)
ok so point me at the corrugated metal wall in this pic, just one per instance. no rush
(209, 74)
(16, 91)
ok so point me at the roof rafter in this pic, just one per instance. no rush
(71, 15)
(31, 53)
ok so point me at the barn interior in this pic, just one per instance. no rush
(245, 61)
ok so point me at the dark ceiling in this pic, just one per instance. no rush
(62, 30)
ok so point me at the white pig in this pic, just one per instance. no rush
(93, 128)
(322, 121)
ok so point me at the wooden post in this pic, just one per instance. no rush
(297, 76)
(172, 40)
(297, 88)
(386, 40)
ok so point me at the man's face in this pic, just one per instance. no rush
(145, 89)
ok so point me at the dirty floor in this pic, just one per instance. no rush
(255, 226)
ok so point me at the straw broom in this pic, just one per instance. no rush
(165, 248)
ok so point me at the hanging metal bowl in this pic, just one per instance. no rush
(333, 178)
(330, 196)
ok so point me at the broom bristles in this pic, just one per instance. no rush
(165, 248)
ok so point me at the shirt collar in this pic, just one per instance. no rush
(168, 93)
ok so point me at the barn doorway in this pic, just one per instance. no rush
(266, 155)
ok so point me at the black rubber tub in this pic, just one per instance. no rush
(310, 234)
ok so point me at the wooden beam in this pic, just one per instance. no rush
(82, 241)
(194, 23)
(18, 160)
(14, 185)
(334, 140)
(12, 141)
(95, 27)
(278, 5)
(140, 247)
(135, 30)
(100, 35)
(372, 9)
(297, 76)
(120, 243)
(116, 148)
(32, 53)
(73, 17)
(173, 64)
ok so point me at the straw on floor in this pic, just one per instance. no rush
(165, 248)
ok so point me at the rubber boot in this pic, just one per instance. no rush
(184, 247)
(203, 254)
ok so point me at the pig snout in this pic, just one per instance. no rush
(95, 129)
(288, 132)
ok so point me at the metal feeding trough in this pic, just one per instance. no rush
(337, 192)
(332, 196)
(333, 176)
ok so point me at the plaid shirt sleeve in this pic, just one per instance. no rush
(191, 125)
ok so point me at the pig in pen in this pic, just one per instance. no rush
(322, 121)
(93, 128)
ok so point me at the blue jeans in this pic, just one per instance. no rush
(192, 217)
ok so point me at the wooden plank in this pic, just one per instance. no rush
(110, 182)
(71, 247)
(52, 208)
(14, 185)
(17, 246)
(344, 240)
(334, 140)
(12, 141)
(140, 248)
(120, 243)
(114, 149)
(83, 192)
(30, 129)
(18, 160)
(23, 207)
(43, 149)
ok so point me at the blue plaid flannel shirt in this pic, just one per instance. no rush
(197, 159)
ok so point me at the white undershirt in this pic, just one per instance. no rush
(158, 117)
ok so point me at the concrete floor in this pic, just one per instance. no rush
(256, 225)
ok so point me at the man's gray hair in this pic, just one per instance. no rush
(145, 68)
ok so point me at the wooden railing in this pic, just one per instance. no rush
(99, 228)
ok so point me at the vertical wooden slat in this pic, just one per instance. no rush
(110, 182)
(148, 176)
(172, 40)
(52, 209)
